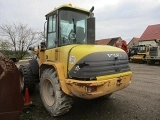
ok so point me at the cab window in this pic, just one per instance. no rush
(51, 35)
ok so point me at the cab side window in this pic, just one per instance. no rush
(51, 32)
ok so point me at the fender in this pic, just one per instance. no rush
(60, 71)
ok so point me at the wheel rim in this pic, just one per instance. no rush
(21, 81)
(48, 93)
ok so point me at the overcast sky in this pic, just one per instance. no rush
(114, 18)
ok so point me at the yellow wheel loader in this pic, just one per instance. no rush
(69, 64)
(138, 54)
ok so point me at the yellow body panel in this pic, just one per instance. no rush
(63, 58)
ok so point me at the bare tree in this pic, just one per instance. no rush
(20, 36)
(41, 36)
(5, 47)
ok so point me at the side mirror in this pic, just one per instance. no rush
(31, 48)
(43, 45)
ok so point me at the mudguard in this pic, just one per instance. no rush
(11, 100)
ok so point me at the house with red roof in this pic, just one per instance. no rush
(133, 42)
(108, 41)
(149, 36)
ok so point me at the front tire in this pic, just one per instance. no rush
(54, 100)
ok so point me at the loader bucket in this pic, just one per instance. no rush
(11, 100)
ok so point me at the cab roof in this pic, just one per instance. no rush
(68, 6)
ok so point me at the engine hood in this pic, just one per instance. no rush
(90, 61)
(80, 51)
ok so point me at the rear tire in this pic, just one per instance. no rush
(54, 100)
(26, 78)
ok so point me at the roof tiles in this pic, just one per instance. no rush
(151, 32)
(108, 41)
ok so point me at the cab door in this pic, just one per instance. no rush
(51, 42)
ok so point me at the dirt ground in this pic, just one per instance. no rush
(139, 101)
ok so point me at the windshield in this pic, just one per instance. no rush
(72, 27)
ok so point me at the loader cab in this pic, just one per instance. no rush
(133, 51)
(68, 25)
(137, 50)
(142, 49)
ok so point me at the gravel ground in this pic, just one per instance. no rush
(139, 101)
